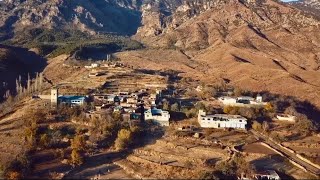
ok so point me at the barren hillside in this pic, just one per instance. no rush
(257, 46)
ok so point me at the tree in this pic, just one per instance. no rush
(265, 126)
(269, 107)
(200, 105)
(209, 175)
(175, 107)
(123, 140)
(291, 111)
(228, 109)
(304, 124)
(166, 105)
(29, 84)
(78, 143)
(44, 140)
(13, 175)
(226, 168)
(256, 126)
(76, 158)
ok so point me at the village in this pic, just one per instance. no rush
(190, 130)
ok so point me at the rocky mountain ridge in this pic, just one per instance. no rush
(312, 6)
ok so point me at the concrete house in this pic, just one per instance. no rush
(221, 121)
(57, 99)
(286, 117)
(267, 175)
(242, 101)
(157, 115)
(72, 100)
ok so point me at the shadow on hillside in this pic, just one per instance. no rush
(19, 62)
(303, 107)
(93, 164)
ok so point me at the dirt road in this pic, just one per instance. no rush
(288, 154)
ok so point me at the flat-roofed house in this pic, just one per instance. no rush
(242, 101)
(267, 175)
(72, 100)
(221, 121)
(157, 115)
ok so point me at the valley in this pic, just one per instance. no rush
(208, 89)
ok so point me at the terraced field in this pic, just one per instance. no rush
(173, 157)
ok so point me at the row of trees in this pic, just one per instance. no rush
(33, 85)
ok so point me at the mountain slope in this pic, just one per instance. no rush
(312, 6)
(91, 16)
(15, 62)
(259, 45)
(85, 15)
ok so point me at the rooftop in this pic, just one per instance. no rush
(68, 97)
(225, 116)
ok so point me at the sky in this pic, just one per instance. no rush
(288, 0)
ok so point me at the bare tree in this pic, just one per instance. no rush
(265, 126)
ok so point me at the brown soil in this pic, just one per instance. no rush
(256, 148)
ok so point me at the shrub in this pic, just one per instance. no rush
(209, 175)
(269, 107)
(166, 105)
(304, 125)
(265, 126)
(256, 126)
(13, 175)
(175, 107)
(76, 158)
(78, 143)
(18, 168)
(44, 140)
(227, 109)
(123, 140)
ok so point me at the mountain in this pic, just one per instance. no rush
(255, 45)
(311, 6)
(85, 15)
(91, 16)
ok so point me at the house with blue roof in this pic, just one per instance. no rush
(158, 115)
(72, 100)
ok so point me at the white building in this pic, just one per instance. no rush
(242, 101)
(267, 175)
(93, 65)
(157, 115)
(54, 97)
(286, 117)
(221, 121)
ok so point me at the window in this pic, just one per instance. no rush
(240, 120)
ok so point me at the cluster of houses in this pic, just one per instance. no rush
(126, 103)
